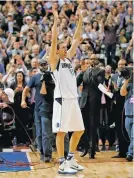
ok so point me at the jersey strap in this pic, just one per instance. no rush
(58, 64)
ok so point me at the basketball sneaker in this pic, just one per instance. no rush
(65, 168)
(74, 165)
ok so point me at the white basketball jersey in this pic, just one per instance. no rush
(65, 80)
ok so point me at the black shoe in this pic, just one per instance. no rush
(84, 153)
(92, 155)
(103, 148)
(111, 148)
(97, 149)
(80, 149)
(47, 159)
(41, 157)
(65, 154)
(118, 156)
(129, 158)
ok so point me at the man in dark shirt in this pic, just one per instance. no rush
(90, 103)
(43, 111)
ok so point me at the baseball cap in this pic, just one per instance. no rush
(10, 93)
(43, 61)
(28, 18)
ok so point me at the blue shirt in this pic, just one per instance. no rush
(43, 103)
(2, 70)
(129, 100)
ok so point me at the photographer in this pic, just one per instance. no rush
(7, 117)
(127, 90)
(117, 110)
(43, 109)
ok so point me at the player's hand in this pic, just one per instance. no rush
(79, 11)
(23, 104)
(80, 2)
(54, 11)
(81, 15)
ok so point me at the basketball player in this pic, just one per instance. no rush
(66, 112)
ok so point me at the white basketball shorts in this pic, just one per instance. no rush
(67, 116)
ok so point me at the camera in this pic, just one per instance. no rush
(46, 76)
(127, 73)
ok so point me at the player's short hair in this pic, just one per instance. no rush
(59, 43)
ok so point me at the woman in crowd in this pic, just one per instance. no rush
(21, 114)
(105, 132)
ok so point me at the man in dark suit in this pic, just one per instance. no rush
(118, 113)
(90, 102)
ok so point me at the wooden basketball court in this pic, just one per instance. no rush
(102, 167)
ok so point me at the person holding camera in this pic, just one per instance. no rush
(42, 82)
(117, 110)
(7, 117)
(127, 90)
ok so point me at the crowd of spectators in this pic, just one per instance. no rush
(25, 38)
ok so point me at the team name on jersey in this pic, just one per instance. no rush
(66, 65)
(69, 66)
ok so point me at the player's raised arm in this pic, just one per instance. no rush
(53, 49)
(77, 36)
